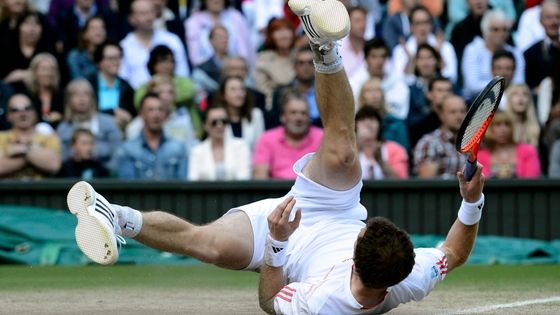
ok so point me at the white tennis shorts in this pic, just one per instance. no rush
(316, 202)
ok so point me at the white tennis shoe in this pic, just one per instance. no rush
(324, 21)
(98, 231)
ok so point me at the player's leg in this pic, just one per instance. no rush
(335, 164)
(227, 242)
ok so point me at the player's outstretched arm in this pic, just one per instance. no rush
(462, 235)
(272, 275)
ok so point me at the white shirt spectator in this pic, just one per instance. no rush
(477, 67)
(352, 61)
(397, 93)
(135, 57)
(400, 58)
(529, 29)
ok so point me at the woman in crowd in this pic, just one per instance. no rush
(30, 40)
(379, 158)
(275, 64)
(219, 157)
(502, 156)
(80, 111)
(522, 109)
(199, 25)
(80, 60)
(42, 85)
(246, 120)
(372, 95)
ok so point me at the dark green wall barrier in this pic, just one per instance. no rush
(518, 208)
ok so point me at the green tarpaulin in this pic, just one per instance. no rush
(41, 236)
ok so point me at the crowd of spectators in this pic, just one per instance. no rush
(224, 89)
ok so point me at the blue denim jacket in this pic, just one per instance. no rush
(136, 160)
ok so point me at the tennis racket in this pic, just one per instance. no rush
(476, 122)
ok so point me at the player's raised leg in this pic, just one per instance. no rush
(227, 242)
(335, 164)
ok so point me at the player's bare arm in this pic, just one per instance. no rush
(462, 235)
(272, 275)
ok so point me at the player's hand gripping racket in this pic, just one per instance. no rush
(476, 122)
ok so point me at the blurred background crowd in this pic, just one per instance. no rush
(224, 90)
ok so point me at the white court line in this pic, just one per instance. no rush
(488, 308)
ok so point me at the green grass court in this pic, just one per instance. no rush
(203, 289)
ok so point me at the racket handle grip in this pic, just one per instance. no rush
(470, 170)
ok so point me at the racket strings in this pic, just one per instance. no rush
(483, 112)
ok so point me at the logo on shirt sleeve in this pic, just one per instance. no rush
(440, 269)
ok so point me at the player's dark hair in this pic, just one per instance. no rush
(384, 255)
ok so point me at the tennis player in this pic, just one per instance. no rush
(314, 252)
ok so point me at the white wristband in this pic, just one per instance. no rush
(470, 213)
(275, 252)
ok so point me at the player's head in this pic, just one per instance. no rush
(384, 254)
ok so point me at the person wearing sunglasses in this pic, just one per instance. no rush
(219, 157)
(26, 153)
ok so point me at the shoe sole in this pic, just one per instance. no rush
(94, 238)
(327, 20)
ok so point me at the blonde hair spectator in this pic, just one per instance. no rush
(74, 88)
(32, 82)
(521, 107)
(372, 94)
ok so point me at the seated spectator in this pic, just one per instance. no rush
(80, 111)
(275, 64)
(503, 64)
(530, 30)
(219, 157)
(423, 117)
(199, 25)
(502, 156)
(152, 155)
(5, 93)
(435, 154)
(304, 82)
(521, 108)
(539, 58)
(352, 46)
(379, 159)
(207, 75)
(114, 95)
(24, 152)
(421, 32)
(477, 57)
(82, 164)
(80, 59)
(42, 85)
(31, 38)
(138, 44)
(548, 100)
(554, 160)
(162, 62)
(295, 138)
(12, 11)
(395, 88)
(246, 120)
(397, 25)
(394, 129)
(71, 21)
(183, 123)
(167, 20)
(467, 29)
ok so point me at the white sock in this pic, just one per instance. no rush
(130, 220)
(326, 58)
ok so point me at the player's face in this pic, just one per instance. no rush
(296, 117)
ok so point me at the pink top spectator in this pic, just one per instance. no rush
(527, 162)
(273, 150)
(397, 158)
